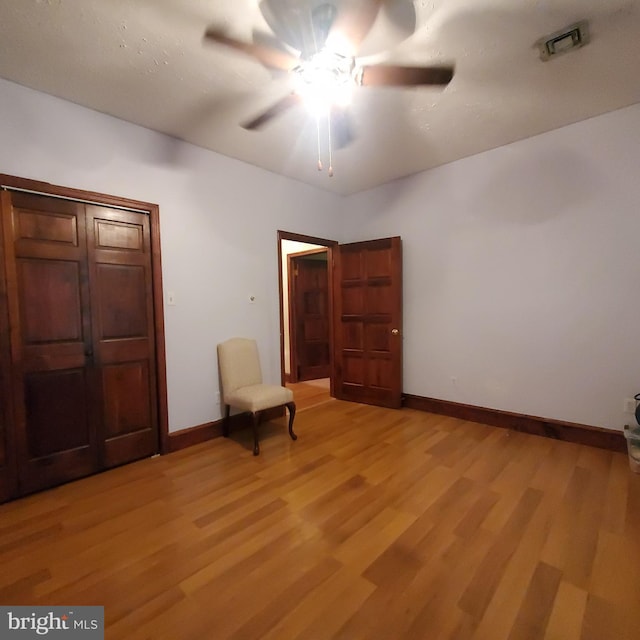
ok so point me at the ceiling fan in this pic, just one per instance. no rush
(324, 73)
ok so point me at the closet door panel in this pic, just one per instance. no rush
(59, 444)
(51, 341)
(8, 468)
(122, 305)
(50, 305)
(56, 412)
(124, 384)
(119, 247)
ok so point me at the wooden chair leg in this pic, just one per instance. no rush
(256, 421)
(225, 421)
(292, 414)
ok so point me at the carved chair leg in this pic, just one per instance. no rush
(225, 422)
(292, 414)
(256, 421)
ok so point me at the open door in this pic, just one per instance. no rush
(367, 285)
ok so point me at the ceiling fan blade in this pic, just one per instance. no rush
(269, 57)
(390, 75)
(269, 41)
(274, 110)
(353, 23)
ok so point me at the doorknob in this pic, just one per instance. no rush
(395, 332)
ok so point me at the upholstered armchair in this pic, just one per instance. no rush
(242, 386)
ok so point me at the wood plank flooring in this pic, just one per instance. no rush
(309, 394)
(375, 524)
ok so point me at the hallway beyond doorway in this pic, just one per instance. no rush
(310, 393)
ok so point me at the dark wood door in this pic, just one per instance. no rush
(8, 472)
(70, 305)
(119, 253)
(53, 380)
(368, 322)
(310, 315)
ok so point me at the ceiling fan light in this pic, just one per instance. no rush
(324, 80)
(318, 100)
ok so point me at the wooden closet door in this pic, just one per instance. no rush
(54, 380)
(8, 469)
(119, 254)
(82, 346)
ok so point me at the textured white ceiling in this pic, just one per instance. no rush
(144, 61)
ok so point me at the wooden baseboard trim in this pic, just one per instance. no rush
(194, 435)
(557, 429)
(203, 432)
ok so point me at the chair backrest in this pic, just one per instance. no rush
(239, 364)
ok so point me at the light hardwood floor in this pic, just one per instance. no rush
(310, 394)
(375, 524)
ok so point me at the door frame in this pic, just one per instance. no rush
(330, 245)
(293, 309)
(9, 182)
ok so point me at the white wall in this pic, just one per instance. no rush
(522, 272)
(520, 264)
(219, 220)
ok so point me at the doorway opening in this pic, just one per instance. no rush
(364, 301)
(306, 303)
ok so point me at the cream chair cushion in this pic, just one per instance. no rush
(257, 397)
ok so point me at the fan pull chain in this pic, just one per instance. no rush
(330, 154)
(320, 167)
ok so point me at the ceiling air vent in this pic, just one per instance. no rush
(573, 37)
